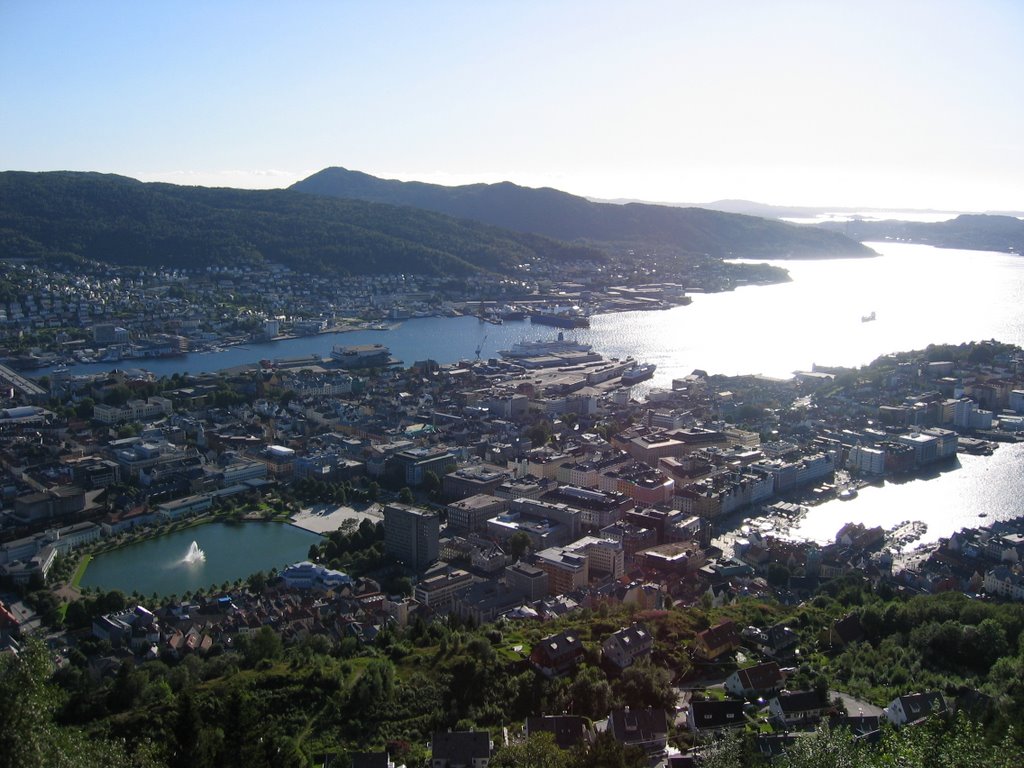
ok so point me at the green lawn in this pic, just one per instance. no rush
(80, 571)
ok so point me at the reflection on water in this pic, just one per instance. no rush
(981, 490)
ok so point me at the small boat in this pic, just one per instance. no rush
(847, 493)
(868, 318)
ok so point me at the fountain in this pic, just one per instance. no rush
(194, 555)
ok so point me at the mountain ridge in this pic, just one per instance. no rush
(561, 215)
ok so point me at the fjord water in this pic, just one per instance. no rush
(171, 564)
(920, 295)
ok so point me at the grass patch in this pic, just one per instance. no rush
(80, 571)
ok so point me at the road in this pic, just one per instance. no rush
(856, 707)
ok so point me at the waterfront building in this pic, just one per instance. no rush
(796, 474)
(189, 506)
(930, 445)
(866, 460)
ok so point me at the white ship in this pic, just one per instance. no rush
(558, 346)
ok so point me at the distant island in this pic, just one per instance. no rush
(976, 232)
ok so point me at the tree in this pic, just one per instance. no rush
(646, 685)
(540, 433)
(405, 496)
(265, 644)
(84, 409)
(606, 752)
(538, 751)
(29, 735)
(591, 693)
(432, 483)
(518, 543)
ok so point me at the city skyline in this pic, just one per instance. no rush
(789, 103)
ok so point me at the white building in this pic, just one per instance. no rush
(1005, 583)
(867, 460)
(307, 575)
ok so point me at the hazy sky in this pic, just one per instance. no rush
(821, 102)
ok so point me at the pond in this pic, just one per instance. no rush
(170, 564)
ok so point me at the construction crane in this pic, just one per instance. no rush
(480, 346)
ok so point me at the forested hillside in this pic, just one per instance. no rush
(119, 220)
(268, 703)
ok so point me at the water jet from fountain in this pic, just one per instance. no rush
(194, 554)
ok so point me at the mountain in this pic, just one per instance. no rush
(975, 231)
(552, 213)
(124, 221)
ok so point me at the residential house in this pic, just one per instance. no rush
(759, 680)
(627, 646)
(780, 642)
(794, 707)
(557, 654)
(568, 731)
(460, 749)
(717, 641)
(644, 728)
(844, 631)
(714, 715)
(914, 707)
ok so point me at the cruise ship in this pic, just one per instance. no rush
(558, 346)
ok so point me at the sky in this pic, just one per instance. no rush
(885, 104)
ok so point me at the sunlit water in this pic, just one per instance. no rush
(977, 490)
